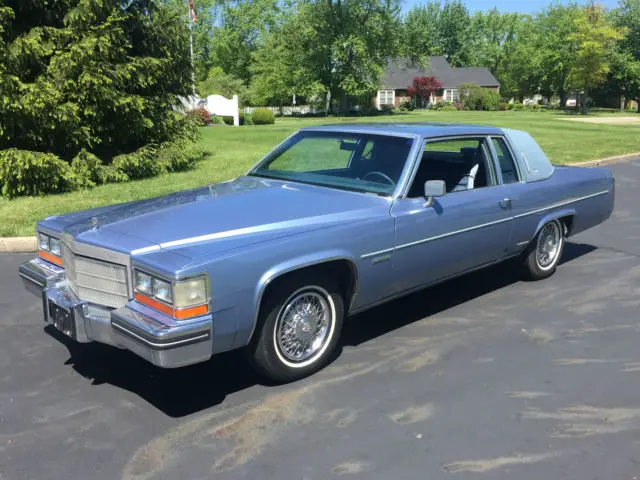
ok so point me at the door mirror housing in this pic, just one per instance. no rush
(433, 189)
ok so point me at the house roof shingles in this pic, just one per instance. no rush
(401, 72)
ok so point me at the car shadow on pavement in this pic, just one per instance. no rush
(433, 300)
(186, 390)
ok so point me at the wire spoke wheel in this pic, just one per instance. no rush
(302, 328)
(548, 245)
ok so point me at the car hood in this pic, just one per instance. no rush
(219, 217)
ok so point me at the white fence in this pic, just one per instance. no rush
(288, 110)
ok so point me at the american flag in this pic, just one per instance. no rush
(192, 11)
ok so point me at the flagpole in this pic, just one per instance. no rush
(193, 74)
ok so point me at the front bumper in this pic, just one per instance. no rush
(147, 333)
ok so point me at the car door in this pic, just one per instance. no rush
(468, 227)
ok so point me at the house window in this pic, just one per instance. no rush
(451, 95)
(386, 97)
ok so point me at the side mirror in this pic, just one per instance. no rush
(432, 189)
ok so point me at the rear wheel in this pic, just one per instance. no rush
(544, 252)
(299, 327)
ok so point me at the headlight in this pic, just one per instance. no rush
(190, 292)
(180, 299)
(43, 242)
(49, 248)
(54, 246)
(162, 290)
(143, 283)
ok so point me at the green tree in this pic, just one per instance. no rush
(277, 70)
(594, 40)
(218, 82)
(421, 32)
(625, 73)
(492, 34)
(341, 46)
(454, 33)
(625, 68)
(554, 27)
(96, 75)
(243, 27)
(438, 30)
(520, 71)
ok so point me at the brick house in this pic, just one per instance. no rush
(401, 72)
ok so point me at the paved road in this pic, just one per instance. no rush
(482, 377)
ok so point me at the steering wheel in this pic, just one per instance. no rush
(380, 174)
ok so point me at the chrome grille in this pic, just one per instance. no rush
(96, 281)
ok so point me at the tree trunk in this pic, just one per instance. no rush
(563, 98)
(344, 102)
(585, 100)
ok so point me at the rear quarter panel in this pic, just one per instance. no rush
(586, 194)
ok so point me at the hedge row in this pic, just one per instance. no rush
(260, 116)
(24, 172)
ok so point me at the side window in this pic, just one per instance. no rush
(462, 163)
(507, 165)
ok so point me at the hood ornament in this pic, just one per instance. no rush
(94, 222)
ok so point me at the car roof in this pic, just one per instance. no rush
(423, 129)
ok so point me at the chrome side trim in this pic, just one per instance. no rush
(561, 204)
(379, 252)
(450, 234)
(476, 227)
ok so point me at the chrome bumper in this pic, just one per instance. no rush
(147, 333)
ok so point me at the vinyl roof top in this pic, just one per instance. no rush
(422, 129)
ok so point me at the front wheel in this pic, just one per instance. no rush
(299, 327)
(544, 252)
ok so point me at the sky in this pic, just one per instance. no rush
(522, 6)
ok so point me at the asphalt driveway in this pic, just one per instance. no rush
(482, 377)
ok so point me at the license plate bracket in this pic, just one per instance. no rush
(62, 319)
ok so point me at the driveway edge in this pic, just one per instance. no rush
(18, 244)
(29, 244)
(607, 160)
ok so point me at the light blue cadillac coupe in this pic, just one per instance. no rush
(333, 221)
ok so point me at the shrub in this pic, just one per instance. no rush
(200, 115)
(503, 107)
(227, 119)
(519, 107)
(449, 108)
(491, 100)
(406, 105)
(141, 163)
(248, 119)
(23, 172)
(263, 116)
(89, 171)
(215, 120)
(176, 157)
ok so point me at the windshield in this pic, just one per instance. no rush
(350, 161)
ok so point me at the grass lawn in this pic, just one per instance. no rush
(235, 150)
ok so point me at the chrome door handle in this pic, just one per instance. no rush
(505, 203)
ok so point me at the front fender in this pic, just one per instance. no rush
(296, 263)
